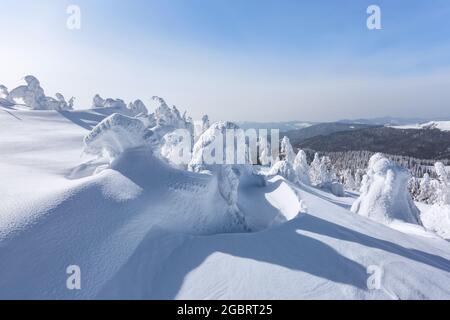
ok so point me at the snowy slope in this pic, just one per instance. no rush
(282, 126)
(440, 125)
(51, 216)
(324, 254)
(142, 229)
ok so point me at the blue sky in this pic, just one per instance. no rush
(238, 59)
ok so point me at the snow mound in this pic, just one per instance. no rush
(337, 189)
(114, 135)
(437, 219)
(384, 195)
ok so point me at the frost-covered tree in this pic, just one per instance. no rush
(426, 193)
(328, 172)
(321, 172)
(384, 194)
(437, 217)
(265, 154)
(443, 191)
(138, 108)
(414, 187)
(213, 149)
(285, 169)
(287, 150)
(99, 102)
(176, 148)
(349, 181)
(228, 184)
(114, 135)
(315, 172)
(359, 174)
(301, 167)
(166, 116)
(205, 123)
(32, 95)
(71, 102)
(60, 102)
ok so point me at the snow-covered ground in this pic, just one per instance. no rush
(142, 229)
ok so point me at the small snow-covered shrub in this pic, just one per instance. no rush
(114, 135)
(337, 189)
(349, 181)
(384, 194)
(99, 102)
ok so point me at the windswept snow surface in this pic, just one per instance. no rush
(141, 229)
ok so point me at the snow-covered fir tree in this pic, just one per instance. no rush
(329, 173)
(349, 181)
(321, 171)
(287, 150)
(315, 170)
(443, 191)
(301, 167)
(264, 152)
(426, 193)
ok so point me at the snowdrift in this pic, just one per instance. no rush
(437, 219)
